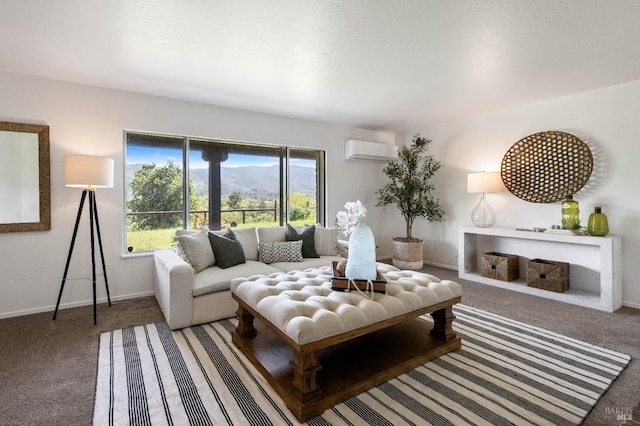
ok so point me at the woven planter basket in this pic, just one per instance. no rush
(408, 255)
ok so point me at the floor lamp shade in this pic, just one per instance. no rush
(88, 171)
(483, 215)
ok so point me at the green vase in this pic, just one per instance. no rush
(570, 213)
(598, 225)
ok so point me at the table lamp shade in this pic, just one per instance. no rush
(484, 182)
(87, 171)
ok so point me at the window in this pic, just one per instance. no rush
(224, 184)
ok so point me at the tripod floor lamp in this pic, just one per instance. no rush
(87, 172)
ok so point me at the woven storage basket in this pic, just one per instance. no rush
(500, 266)
(548, 275)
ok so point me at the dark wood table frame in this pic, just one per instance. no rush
(351, 362)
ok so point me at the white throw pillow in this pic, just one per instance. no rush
(249, 240)
(269, 234)
(177, 244)
(195, 248)
(326, 240)
(280, 251)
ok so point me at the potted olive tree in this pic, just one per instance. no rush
(410, 190)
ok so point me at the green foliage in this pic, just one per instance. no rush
(298, 213)
(157, 188)
(153, 239)
(410, 187)
(299, 206)
(234, 200)
(199, 202)
(150, 239)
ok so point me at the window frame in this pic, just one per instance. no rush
(284, 184)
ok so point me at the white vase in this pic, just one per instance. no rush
(361, 263)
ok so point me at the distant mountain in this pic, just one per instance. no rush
(250, 181)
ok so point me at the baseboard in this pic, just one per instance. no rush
(426, 262)
(70, 305)
(441, 265)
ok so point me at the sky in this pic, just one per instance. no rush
(159, 156)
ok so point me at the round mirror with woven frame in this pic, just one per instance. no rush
(546, 167)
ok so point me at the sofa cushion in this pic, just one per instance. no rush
(249, 240)
(280, 251)
(227, 249)
(195, 248)
(326, 241)
(306, 263)
(270, 234)
(177, 244)
(215, 279)
(188, 231)
(307, 237)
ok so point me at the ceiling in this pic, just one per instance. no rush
(377, 64)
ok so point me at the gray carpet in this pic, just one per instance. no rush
(48, 368)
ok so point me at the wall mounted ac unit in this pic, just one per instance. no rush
(362, 150)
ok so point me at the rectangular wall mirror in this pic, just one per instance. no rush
(25, 194)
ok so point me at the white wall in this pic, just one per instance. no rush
(606, 120)
(91, 120)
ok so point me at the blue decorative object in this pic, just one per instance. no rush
(361, 264)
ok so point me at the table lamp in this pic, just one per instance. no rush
(483, 215)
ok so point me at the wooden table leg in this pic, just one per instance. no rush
(305, 368)
(443, 324)
(245, 326)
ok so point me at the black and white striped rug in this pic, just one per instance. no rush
(507, 372)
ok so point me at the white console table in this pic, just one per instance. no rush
(594, 276)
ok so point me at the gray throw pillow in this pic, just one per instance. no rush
(227, 249)
(307, 237)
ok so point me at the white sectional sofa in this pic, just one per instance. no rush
(191, 286)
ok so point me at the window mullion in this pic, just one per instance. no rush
(186, 207)
(320, 188)
(284, 186)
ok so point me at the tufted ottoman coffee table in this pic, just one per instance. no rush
(359, 342)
